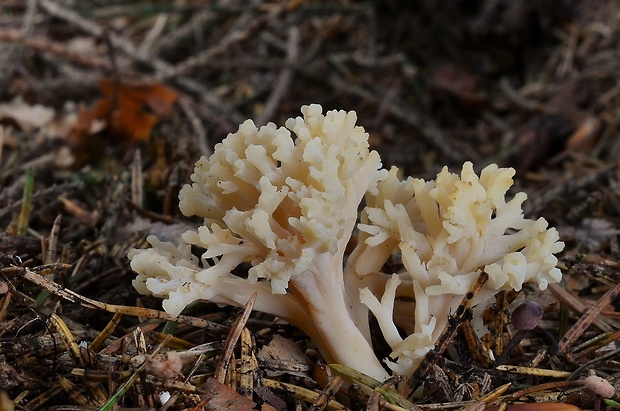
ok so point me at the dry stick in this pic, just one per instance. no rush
(97, 30)
(386, 103)
(13, 53)
(379, 395)
(86, 302)
(598, 260)
(96, 344)
(600, 344)
(235, 36)
(477, 351)
(231, 340)
(569, 185)
(132, 51)
(586, 319)
(137, 180)
(199, 20)
(429, 130)
(593, 364)
(462, 313)
(73, 348)
(305, 394)
(541, 387)
(327, 395)
(154, 34)
(284, 79)
(519, 100)
(248, 365)
(59, 49)
(500, 319)
(51, 256)
(203, 145)
(576, 306)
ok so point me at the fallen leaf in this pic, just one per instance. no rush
(221, 397)
(585, 137)
(132, 109)
(283, 356)
(83, 124)
(25, 116)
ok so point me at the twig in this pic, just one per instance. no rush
(462, 313)
(586, 319)
(541, 387)
(570, 185)
(428, 129)
(132, 51)
(231, 340)
(251, 23)
(534, 372)
(592, 365)
(13, 53)
(605, 340)
(576, 306)
(137, 180)
(328, 394)
(97, 30)
(58, 49)
(301, 393)
(284, 79)
(52, 242)
(517, 99)
(201, 133)
(195, 24)
(86, 302)
(153, 34)
(386, 103)
(249, 365)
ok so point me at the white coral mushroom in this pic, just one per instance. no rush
(288, 206)
(447, 231)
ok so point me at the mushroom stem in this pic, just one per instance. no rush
(510, 347)
(525, 317)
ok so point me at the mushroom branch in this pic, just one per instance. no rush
(285, 202)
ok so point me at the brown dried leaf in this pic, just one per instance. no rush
(25, 116)
(283, 356)
(132, 109)
(222, 397)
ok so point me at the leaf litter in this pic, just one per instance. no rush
(533, 86)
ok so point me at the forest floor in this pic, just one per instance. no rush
(106, 105)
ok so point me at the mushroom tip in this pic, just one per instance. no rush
(527, 316)
(599, 386)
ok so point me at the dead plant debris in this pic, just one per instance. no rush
(105, 106)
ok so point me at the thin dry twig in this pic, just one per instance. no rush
(10, 56)
(46, 46)
(232, 338)
(428, 129)
(284, 79)
(133, 52)
(201, 138)
(240, 32)
(576, 306)
(586, 319)
(86, 302)
(327, 395)
(199, 20)
(462, 313)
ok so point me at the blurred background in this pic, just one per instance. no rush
(106, 105)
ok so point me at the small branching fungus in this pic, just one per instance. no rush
(288, 207)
